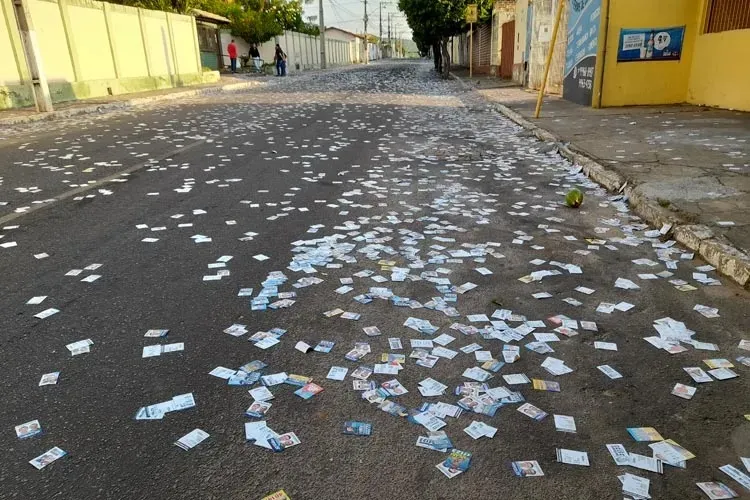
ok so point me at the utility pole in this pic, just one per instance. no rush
(367, 45)
(380, 35)
(390, 48)
(540, 98)
(32, 51)
(381, 22)
(322, 27)
(395, 41)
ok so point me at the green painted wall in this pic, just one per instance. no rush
(92, 49)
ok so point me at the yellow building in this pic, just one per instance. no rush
(659, 52)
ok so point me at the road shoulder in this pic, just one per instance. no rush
(712, 243)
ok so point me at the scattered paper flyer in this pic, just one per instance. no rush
(258, 409)
(47, 313)
(479, 429)
(261, 393)
(684, 391)
(49, 379)
(158, 349)
(337, 373)
(619, 454)
(635, 486)
(737, 475)
(717, 491)
(572, 457)
(564, 423)
(545, 385)
(516, 379)
(47, 457)
(278, 495)
(28, 429)
(191, 439)
(722, 374)
(607, 346)
(355, 428)
(644, 434)
(532, 411)
(528, 468)
(609, 372)
(708, 312)
(308, 390)
(698, 375)
(646, 463)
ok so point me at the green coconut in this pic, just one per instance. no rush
(574, 198)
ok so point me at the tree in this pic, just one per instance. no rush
(258, 21)
(177, 6)
(433, 22)
(308, 29)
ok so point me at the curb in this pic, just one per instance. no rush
(127, 104)
(727, 259)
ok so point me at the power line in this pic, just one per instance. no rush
(336, 5)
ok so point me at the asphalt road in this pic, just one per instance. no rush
(402, 167)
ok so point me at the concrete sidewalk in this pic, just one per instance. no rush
(227, 83)
(686, 165)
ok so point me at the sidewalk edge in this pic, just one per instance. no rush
(727, 259)
(127, 104)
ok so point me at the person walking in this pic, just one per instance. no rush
(232, 51)
(255, 56)
(280, 59)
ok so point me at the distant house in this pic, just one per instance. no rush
(356, 44)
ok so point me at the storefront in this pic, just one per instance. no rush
(641, 52)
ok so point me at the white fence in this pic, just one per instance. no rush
(303, 51)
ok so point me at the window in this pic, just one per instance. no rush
(727, 15)
(207, 38)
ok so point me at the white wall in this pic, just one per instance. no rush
(303, 51)
(340, 35)
(374, 52)
(242, 46)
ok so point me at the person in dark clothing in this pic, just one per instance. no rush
(255, 56)
(280, 59)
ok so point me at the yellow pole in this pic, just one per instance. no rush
(471, 48)
(549, 59)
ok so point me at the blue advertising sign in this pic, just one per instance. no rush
(580, 55)
(651, 44)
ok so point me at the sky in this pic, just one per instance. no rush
(348, 15)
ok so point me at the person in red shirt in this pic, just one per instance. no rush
(232, 50)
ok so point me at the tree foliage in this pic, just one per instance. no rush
(177, 6)
(432, 22)
(259, 20)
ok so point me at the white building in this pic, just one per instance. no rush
(356, 43)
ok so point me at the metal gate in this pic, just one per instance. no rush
(727, 15)
(481, 49)
(506, 49)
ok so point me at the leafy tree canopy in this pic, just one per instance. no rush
(434, 20)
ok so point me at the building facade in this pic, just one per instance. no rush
(636, 52)
(85, 48)
(502, 46)
(356, 45)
